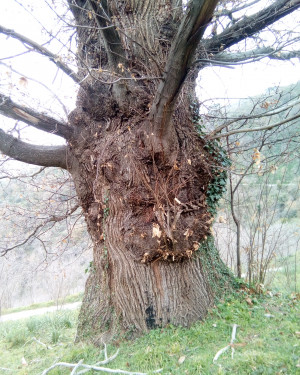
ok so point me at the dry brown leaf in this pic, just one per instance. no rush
(222, 219)
(156, 232)
(23, 82)
(175, 166)
(196, 245)
(188, 233)
(181, 359)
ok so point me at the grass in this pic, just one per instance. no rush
(264, 345)
(68, 299)
(286, 278)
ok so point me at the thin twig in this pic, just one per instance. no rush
(41, 343)
(42, 50)
(248, 130)
(53, 219)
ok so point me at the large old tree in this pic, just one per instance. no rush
(146, 179)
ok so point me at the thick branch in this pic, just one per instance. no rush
(112, 42)
(231, 58)
(108, 32)
(42, 50)
(249, 26)
(42, 122)
(191, 30)
(285, 55)
(45, 156)
(225, 58)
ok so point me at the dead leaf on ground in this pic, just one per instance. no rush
(188, 233)
(156, 232)
(181, 359)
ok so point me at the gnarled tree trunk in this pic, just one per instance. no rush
(147, 213)
(141, 171)
(145, 178)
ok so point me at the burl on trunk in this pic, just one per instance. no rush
(141, 171)
(145, 203)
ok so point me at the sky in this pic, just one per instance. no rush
(247, 80)
(214, 82)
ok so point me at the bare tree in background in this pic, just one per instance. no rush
(145, 180)
(263, 182)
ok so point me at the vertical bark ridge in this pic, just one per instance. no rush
(141, 281)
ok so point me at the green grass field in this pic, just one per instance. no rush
(267, 342)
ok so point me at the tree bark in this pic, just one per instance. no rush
(127, 297)
(154, 262)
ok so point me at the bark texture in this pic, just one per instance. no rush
(142, 177)
(147, 213)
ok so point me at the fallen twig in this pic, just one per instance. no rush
(76, 367)
(223, 350)
(107, 360)
(95, 368)
(41, 343)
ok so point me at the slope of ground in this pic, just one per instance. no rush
(267, 342)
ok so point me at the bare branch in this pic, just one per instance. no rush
(96, 368)
(52, 219)
(226, 12)
(42, 122)
(42, 50)
(10, 177)
(280, 109)
(248, 130)
(182, 51)
(46, 156)
(225, 58)
(231, 344)
(249, 26)
(285, 55)
(39, 83)
(108, 32)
